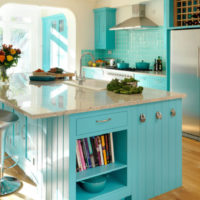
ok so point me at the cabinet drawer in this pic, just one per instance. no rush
(101, 122)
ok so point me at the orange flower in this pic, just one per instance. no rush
(2, 58)
(13, 51)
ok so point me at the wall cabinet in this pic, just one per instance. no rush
(104, 19)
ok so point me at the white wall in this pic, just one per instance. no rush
(154, 8)
(117, 3)
(83, 11)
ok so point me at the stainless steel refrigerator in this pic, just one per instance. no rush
(185, 76)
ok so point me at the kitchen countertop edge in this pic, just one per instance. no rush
(94, 108)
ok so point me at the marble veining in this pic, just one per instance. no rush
(60, 98)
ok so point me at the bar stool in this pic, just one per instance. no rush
(8, 185)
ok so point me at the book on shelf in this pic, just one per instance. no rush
(112, 148)
(104, 149)
(81, 155)
(94, 151)
(95, 154)
(80, 167)
(100, 149)
(90, 152)
(107, 148)
(86, 154)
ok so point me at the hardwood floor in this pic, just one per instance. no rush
(189, 191)
(191, 174)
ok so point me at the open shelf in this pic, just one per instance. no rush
(115, 172)
(97, 171)
(115, 181)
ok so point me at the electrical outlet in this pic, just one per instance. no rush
(109, 52)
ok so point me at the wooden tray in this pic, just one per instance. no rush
(57, 76)
(40, 74)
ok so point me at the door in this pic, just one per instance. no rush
(55, 48)
(185, 76)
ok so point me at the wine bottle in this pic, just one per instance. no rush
(155, 65)
(159, 63)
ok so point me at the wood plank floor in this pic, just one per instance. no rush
(191, 174)
(189, 191)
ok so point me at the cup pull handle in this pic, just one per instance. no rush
(142, 118)
(173, 113)
(159, 115)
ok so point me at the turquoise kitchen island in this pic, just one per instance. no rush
(146, 130)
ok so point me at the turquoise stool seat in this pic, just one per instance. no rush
(8, 185)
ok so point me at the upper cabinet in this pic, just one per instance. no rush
(104, 18)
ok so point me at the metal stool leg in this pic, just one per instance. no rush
(8, 185)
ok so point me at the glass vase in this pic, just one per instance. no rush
(4, 77)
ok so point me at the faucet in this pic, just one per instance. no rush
(81, 77)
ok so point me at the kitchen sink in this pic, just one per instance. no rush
(89, 84)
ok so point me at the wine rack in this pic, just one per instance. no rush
(186, 13)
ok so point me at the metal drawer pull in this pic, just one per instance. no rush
(159, 115)
(103, 121)
(142, 118)
(173, 113)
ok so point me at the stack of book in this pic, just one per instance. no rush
(94, 151)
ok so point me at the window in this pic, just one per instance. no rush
(16, 30)
(45, 41)
(20, 38)
(1, 36)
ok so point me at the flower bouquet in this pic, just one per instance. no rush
(8, 58)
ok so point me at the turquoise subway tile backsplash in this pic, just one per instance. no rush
(134, 46)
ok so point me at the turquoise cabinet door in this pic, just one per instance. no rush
(104, 19)
(93, 73)
(100, 30)
(9, 132)
(20, 137)
(31, 141)
(156, 152)
(155, 82)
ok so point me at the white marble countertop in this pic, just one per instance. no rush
(59, 98)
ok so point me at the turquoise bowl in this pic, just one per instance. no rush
(94, 185)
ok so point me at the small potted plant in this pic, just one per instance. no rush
(8, 58)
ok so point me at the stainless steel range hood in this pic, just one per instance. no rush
(138, 20)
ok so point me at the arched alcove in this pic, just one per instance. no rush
(22, 26)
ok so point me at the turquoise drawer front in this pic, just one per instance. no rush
(101, 122)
